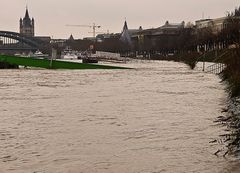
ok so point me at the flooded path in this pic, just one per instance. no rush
(155, 118)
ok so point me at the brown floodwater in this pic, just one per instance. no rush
(155, 118)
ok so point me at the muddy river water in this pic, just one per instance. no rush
(155, 118)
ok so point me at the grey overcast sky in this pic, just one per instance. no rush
(51, 16)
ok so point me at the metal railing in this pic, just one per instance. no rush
(216, 68)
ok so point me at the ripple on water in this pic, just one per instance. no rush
(155, 118)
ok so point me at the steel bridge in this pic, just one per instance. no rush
(15, 42)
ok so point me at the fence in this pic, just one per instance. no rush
(216, 68)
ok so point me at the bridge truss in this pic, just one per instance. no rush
(15, 42)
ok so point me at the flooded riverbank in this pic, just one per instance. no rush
(157, 117)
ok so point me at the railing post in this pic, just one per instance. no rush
(204, 61)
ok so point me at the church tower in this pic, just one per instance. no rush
(27, 25)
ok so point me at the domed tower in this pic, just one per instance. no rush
(27, 25)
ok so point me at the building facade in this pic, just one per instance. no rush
(27, 25)
(215, 25)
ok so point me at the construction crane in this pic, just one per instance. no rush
(94, 27)
(102, 32)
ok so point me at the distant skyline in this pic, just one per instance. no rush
(51, 16)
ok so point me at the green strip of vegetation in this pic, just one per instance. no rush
(54, 64)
